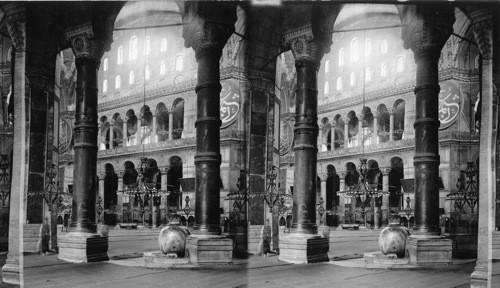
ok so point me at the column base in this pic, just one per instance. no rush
(254, 238)
(10, 271)
(209, 249)
(304, 248)
(428, 251)
(83, 247)
(480, 277)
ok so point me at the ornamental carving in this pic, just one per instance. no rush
(16, 24)
(427, 28)
(208, 26)
(85, 43)
(230, 102)
(305, 48)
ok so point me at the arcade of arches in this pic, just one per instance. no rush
(202, 99)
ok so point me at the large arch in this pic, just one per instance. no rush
(395, 175)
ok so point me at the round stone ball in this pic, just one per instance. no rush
(172, 239)
(392, 239)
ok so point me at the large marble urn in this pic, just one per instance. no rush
(172, 240)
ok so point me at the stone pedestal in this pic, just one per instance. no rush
(10, 270)
(31, 238)
(253, 238)
(202, 249)
(83, 247)
(303, 248)
(428, 251)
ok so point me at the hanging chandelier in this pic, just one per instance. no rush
(467, 192)
(363, 189)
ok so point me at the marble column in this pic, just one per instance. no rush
(332, 139)
(486, 32)
(125, 131)
(12, 270)
(303, 244)
(111, 132)
(323, 178)
(427, 31)
(391, 124)
(138, 133)
(346, 133)
(385, 209)
(164, 185)
(208, 27)
(100, 218)
(82, 243)
(170, 123)
(153, 134)
(341, 208)
(375, 129)
(119, 199)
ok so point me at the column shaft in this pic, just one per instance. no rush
(306, 150)
(426, 159)
(153, 134)
(332, 139)
(346, 133)
(171, 124)
(375, 130)
(138, 133)
(85, 137)
(111, 128)
(207, 158)
(391, 125)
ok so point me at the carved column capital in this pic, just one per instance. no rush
(125, 118)
(323, 177)
(140, 116)
(15, 19)
(112, 122)
(102, 175)
(427, 28)
(308, 31)
(86, 45)
(385, 171)
(342, 175)
(120, 175)
(482, 28)
(391, 110)
(170, 109)
(208, 26)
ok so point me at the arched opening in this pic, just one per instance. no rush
(395, 176)
(367, 126)
(146, 125)
(399, 119)
(110, 195)
(161, 122)
(130, 181)
(383, 123)
(332, 198)
(339, 131)
(352, 129)
(174, 184)
(178, 118)
(131, 128)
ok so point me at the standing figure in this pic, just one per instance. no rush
(45, 236)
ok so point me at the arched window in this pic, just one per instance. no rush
(341, 57)
(327, 88)
(354, 50)
(147, 45)
(339, 83)
(353, 79)
(368, 47)
(105, 86)
(132, 52)
(399, 64)
(105, 64)
(179, 64)
(163, 45)
(384, 47)
(163, 67)
(119, 57)
(368, 74)
(147, 73)
(383, 70)
(131, 77)
(327, 66)
(118, 82)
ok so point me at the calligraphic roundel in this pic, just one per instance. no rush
(65, 135)
(449, 104)
(230, 98)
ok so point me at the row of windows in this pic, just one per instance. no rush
(368, 75)
(179, 66)
(132, 55)
(354, 53)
